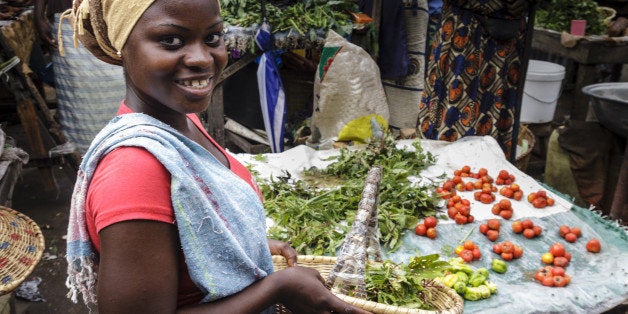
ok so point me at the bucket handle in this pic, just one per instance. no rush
(544, 101)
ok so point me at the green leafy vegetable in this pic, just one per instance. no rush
(315, 218)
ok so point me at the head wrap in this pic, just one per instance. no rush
(103, 26)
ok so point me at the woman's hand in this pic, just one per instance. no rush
(303, 290)
(284, 249)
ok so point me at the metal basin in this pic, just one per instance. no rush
(610, 103)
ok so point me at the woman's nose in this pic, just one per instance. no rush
(199, 56)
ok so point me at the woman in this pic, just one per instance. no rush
(175, 223)
(472, 80)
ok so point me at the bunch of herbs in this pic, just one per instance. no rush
(315, 217)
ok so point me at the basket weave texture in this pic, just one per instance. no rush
(347, 271)
(522, 161)
(443, 299)
(21, 248)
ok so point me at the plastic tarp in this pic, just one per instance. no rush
(599, 281)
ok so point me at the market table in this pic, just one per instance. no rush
(588, 52)
(599, 281)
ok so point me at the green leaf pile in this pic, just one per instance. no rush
(304, 17)
(557, 15)
(315, 213)
(404, 284)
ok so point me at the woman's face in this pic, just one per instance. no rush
(174, 56)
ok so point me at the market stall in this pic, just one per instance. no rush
(598, 281)
(17, 37)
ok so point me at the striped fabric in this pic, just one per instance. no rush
(89, 91)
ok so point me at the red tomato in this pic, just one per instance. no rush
(550, 201)
(476, 253)
(559, 281)
(563, 230)
(420, 229)
(493, 224)
(492, 235)
(561, 261)
(495, 209)
(528, 233)
(568, 256)
(505, 204)
(571, 237)
(594, 246)
(451, 212)
(558, 271)
(557, 249)
(539, 202)
(527, 224)
(537, 230)
(518, 195)
(483, 228)
(576, 231)
(461, 219)
(430, 222)
(486, 198)
(517, 252)
(506, 213)
(469, 245)
(467, 255)
(431, 233)
(470, 219)
(497, 248)
(517, 227)
(548, 281)
(506, 256)
(507, 247)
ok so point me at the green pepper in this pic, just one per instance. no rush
(477, 293)
(477, 279)
(457, 264)
(499, 266)
(462, 276)
(450, 280)
(482, 271)
(460, 287)
(491, 286)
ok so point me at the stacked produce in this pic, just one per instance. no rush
(304, 17)
(472, 284)
(557, 15)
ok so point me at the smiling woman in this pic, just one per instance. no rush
(173, 222)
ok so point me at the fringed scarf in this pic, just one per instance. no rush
(220, 218)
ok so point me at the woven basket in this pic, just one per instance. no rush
(443, 299)
(521, 162)
(21, 248)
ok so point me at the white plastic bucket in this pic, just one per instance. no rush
(543, 85)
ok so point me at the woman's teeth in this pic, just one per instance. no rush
(195, 83)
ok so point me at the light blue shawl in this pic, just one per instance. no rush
(220, 218)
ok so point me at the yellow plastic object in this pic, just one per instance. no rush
(359, 130)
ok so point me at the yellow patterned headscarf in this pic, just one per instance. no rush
(103, 26)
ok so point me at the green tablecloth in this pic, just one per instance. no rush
(599, 281)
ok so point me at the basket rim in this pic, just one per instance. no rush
(12, 271)
(456, 307)
(526, 133)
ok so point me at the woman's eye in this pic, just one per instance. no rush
(214, 39)
(171, 42)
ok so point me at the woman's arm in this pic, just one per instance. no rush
(138, 273)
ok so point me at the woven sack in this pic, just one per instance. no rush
(21, 248)
(404, 94)
(347, 86)
(347, 271)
